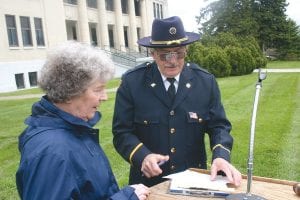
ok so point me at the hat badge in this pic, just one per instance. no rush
(172, 30)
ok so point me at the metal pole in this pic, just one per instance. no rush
(248, 196)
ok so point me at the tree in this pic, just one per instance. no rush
(234, 16)
(270, 15)
(265, 20)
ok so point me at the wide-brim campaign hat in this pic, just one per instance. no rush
(168, 32)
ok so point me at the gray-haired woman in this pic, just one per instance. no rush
(60, 153)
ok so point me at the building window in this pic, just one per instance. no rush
(126, 36)
(94, 36)
(32, 78)
(11, 30)
(157, 11)
(124, 6)
(74, 33)
(111, 36)
(20, 81)
(92, 3)
(26, 31)
(154, 10)
(39, 33)
(161, 12)
(137, 8)
(109, 5)
(74, 2)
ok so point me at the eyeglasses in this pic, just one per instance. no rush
(168, 56)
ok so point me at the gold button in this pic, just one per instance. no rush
(200, 120)
(173, 167)
(172, 130)
(172, 112)
(173, 150)
(145, 122)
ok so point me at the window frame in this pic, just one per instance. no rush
(26, 31)
(92, 4)
(12, 32)
(39, 32)
(20, 81)
(33, 76)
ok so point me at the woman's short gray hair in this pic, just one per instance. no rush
(71, 67)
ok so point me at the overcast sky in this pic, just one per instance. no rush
(188, 9)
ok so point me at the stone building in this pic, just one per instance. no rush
(29, 27)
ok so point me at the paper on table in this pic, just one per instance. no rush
(194, 180)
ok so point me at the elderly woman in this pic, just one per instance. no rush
(60, 153)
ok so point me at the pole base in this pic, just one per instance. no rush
(242, 196)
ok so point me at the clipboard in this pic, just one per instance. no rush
(193, 183)
(197, 192)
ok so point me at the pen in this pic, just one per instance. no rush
(160, 163)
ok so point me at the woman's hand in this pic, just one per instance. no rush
(141, 191)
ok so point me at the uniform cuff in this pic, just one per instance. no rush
(137, 155)
(219, 151)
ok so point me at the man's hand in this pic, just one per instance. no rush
(151, 163)
(233, 175)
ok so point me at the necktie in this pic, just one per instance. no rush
(171, 90)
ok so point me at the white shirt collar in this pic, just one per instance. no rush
(165, 78)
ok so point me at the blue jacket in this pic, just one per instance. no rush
(146, 121)
(61, 159)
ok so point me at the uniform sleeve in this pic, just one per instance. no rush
(45, 177)
(219, 126)
(125, 141)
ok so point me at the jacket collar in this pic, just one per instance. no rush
(46, 114)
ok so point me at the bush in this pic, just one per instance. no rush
(241, 60)
(260, 61)
(216, 62)
(196, 53)
(242, 55)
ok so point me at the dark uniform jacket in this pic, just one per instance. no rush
(146, 121)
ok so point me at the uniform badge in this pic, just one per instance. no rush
(188, 85)
(172, 30)
(153, 85)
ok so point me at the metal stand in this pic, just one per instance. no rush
(248, 196)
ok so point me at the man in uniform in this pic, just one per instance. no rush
(163, 110)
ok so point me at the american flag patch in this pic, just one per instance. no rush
(193, 115)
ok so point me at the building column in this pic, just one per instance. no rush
(119, 25)
(144, 28)
(83, 22)
(103, 29)
(132, 28)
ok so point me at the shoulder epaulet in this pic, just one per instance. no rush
(194, 66)
(138, 67)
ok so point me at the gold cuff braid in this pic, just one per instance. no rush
(133, 152)
(221, 146)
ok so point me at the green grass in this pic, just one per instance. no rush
(22, 92)
(111, 84)
(277, 137)
(283, 64)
